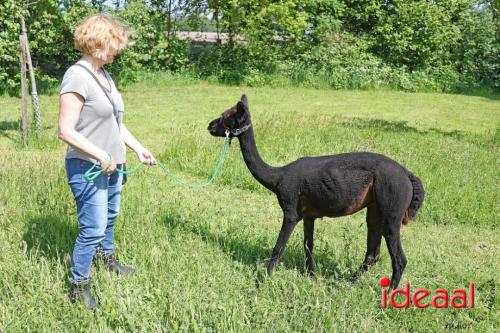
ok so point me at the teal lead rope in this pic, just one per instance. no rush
(92, 174)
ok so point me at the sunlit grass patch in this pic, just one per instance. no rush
(201, 254)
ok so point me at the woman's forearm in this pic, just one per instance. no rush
(129, 139)
(143, 154)
(82, 144)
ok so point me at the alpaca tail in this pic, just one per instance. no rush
(418, 195)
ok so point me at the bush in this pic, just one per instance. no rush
(342, 44)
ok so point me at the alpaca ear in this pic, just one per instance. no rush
(244, 100)
(240, 109)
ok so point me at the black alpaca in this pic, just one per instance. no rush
(336, 185)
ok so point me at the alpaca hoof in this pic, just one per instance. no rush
(270, 269)
(393, 286)
(357, 273)
(394, 283)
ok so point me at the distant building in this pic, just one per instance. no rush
(207, 37)
(211, 37)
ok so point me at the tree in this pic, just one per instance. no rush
(9, 44)
(417, 34)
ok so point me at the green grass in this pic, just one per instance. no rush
(201, 254)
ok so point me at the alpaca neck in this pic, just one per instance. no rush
(264, 173)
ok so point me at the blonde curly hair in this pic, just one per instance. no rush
(101, 36)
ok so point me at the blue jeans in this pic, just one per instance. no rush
(97, 205)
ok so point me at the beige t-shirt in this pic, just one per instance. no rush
(97, 120)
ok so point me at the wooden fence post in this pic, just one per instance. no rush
(34, 94)
(24, 97)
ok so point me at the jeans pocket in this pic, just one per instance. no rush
(75, 169)
(86, 166)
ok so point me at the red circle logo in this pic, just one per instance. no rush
(384, 282)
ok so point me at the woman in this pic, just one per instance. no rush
(90, 122)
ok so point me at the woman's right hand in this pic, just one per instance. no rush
(107, 164)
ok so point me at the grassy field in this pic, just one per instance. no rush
(201, 254)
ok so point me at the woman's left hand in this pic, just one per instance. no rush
(145, 156)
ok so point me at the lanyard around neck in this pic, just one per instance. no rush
(106, 92)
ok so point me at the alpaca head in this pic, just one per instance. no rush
(233, 121)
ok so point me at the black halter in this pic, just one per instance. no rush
(239, 131)
(235, 131)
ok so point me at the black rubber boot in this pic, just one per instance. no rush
(80, 292)
(113, 265)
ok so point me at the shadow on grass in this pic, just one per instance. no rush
(7, 126)
(44, 140)
(484, 93)
(399, 127)
(51, 237)
(246, 249)
(490, 138)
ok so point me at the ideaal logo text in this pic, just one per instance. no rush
(423, 298)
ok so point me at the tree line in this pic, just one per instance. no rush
(415, 45)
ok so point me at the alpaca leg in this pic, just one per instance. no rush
(374, 237)
(398, 258)
(308, 244)
(391, 228)
(287, 227)
(393, 192)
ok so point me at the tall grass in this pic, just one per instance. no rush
(201, 254)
